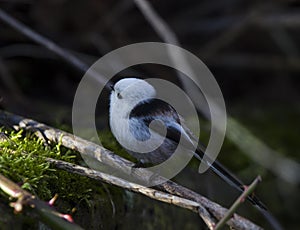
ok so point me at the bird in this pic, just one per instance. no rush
(134, 107)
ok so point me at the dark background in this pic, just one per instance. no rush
(251, 47)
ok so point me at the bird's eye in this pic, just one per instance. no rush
(119, 95)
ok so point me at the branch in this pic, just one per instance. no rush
(149, 192)
(45, 212)
(248, 191)
(20, 27)
(107, 157)
(45, 42)
(157, 23)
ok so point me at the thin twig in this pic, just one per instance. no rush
(22, 28)
(248, 191)
(45, 212)
(63, 53)
(158, 24)
(107, 157)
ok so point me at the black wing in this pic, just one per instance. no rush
(156, 109)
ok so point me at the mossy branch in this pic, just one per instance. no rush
(107, 157)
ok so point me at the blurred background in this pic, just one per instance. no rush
(251, 47)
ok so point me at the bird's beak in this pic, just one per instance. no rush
(112, 87)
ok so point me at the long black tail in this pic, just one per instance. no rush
(227, 176)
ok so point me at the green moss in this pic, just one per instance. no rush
(22, 159)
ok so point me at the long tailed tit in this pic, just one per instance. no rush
(132, 109)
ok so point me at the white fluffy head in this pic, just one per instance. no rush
(127, 93)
